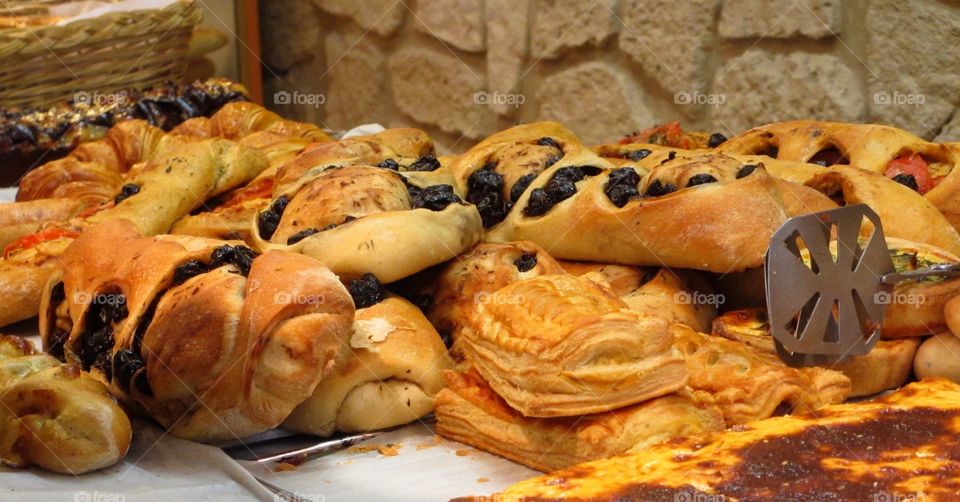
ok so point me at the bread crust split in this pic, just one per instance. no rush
(204, 336)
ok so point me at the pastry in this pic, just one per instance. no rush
(562, 345)
(55, 416)
(901, 445)
(885, 367)
(939, 356)
(204, 336)
(363, 219)
(750, 384)
(469, 411)
(18, 219)
(925, 167)
(390, 375)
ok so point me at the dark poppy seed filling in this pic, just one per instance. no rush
(622, 186)
(58, 339)
(659, 189)
(716, 139)
(126, 191)
(269, 220)
(485, 190)
(366, 291)
(746, 170)
(389, 164)
(126, 365)
(525, 262)
(561, 186)
(238, 256)
(548, 141)
(425, 163)
(433, 197)
(907, 180)
(96, 341)
(637, 155)
(521, 186)
(701, 179)
(188, 269)
(303, 234)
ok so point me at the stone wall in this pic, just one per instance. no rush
(462, 69)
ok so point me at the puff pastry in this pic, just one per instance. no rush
(562, 345)
(885, 367)
(204, 336)
(389, 377)
(896, 446)
(55, 416)
(469, 411)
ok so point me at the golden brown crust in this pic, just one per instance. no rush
(223, 354)
(470, 412)
(18, 219)
(389, 377)
(573, 348)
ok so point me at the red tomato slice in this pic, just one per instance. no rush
(915, 166)
(35, 239)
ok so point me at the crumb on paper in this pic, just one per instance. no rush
(482, 480)
(284, 466)
(390, 450)
(436, 442)
(462, 453)
(363, 448)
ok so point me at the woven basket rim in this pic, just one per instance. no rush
(140, 16)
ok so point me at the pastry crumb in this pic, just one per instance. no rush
(390, 450)
(363, 449)
(482, 480)
(284, 466)
(462, 453)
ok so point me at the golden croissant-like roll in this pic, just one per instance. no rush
(55, 416)
(204, 336)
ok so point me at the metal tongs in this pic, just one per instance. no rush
(828, 286)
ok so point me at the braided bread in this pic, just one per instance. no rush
(204, 336)
(55, 416)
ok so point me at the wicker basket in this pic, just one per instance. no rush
(48, 64)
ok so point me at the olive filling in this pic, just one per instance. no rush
(659, 189)
(561, 186)
(366, 291)
(523, 184)
(58, 339)
(433, 197)
(303, 234)
(188, 269)
(525, 262)
(716, 139)
(238, 256)
(128, 367)
(425, 163)
(701, 179)
(389, 164)
(126, 191)
(485, 190)
(746, 170)
(622, 186)
(638, 155)
(907, 180)
(96, 341)
(269, 220)
(548, 141)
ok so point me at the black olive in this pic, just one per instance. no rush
(907, 180)
(716, 139)
(538, 204)
(140, 381)
(485, 190)
(561, 186)
(526, 262)
(425, 163)
(551, 160)
(366, 291)
(435, 198)
(701, 179)
(636, 155)
(188, 269)
(547, 141)
(269, 220)
(389, 164)
(672, 155)
(58, 339)
(622, 186)
(521, 186)
(126, 364)
(238, 256)
(303, 234)
(126, 191)
(658, 189)
(96, 341)
(746, 170)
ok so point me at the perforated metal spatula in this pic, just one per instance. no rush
(828, 282)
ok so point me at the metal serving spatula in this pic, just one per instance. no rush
(827, 285)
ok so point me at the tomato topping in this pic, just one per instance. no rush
(670, 134)
(37, 238)
(911, 165)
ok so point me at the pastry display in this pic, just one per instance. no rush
(54, 415)
(204, 336)
(899, 444)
